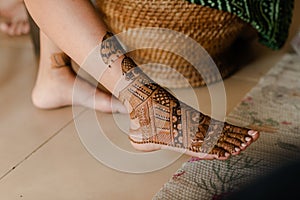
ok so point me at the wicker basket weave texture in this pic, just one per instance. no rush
(214, 30)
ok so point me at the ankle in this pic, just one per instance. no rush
(112, 78)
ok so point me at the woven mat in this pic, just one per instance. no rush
(273, 104)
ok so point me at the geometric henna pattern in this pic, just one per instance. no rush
(165, 120)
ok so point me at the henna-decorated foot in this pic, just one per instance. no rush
(160, 121)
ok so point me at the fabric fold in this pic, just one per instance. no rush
(271, 18)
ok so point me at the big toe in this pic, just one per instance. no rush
(254, 134)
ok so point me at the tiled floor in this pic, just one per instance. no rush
(41, 155)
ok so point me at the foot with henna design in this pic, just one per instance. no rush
(160, 121)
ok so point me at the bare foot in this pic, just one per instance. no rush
(54, 89)
(16, 17)
(160, 121)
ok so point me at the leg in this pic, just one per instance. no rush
(14, 11)
(159, 120)
(55, 80)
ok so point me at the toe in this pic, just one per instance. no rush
(239, 130)
(230, 148)
(219, 153)
(239, 137)
(232, 141)
(250, 138)
(26, 28)
(19, 29)
(11, 29)
(254, 134)
(4, 27)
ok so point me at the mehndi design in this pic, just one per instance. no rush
(110, 49)
(163, 120)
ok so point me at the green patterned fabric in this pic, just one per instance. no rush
(271, 18)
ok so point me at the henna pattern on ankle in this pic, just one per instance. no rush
(111, 49)
(160, 114)
(130, 69)
(162, 118)
(165, 120)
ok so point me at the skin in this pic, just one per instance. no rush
(15, 17)
(79, 39)
(54, 85)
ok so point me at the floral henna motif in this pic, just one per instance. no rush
(110, 49)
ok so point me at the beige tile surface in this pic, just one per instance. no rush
(263, 60)
(23, 128)
(41, 155)
(15, 42)
(63, 169)
(236, 88)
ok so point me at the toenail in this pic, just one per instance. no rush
(237, 149)
(244, 145)
(251, 132)
(247, 139)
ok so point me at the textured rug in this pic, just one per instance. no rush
(274, 106)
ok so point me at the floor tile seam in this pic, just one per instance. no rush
(56, 133)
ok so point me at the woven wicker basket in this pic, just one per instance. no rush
(214, 30)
